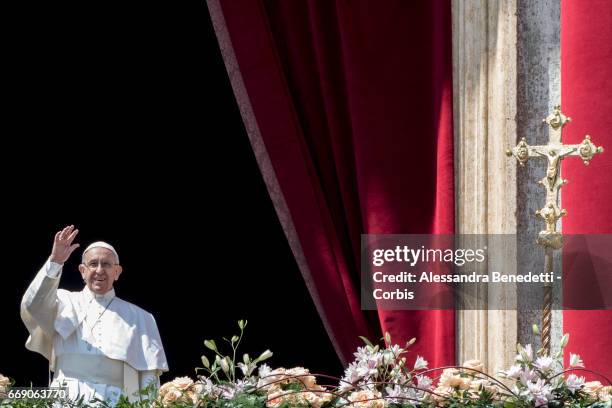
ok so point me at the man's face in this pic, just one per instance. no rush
(100, 270)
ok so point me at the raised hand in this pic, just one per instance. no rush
(62, 244)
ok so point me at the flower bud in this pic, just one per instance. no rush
(224, 365)
(265, 355)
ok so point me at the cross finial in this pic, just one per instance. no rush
(587, 150)
(557, 119)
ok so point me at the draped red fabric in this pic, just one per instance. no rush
(353, 102)
(586, 72)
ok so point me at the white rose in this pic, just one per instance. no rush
(450, 378)
(178, 389)
(474, 365)
(4, 381)
(367, 399)
(182, 383)
(605, 393)
(274, 396)
(272, 378)
(297, 371)
(316, 399)
(172, 396)
(164, 389)
(592, 387)
(4, 384)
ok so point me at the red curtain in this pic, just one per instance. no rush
(586, 87)
(349, 108)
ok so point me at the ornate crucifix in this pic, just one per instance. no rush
(550, 238)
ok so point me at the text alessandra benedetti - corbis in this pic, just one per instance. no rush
(473, 277)
(401, 293)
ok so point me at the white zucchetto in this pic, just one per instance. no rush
(102, 244)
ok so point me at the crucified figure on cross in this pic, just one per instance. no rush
(554, 162)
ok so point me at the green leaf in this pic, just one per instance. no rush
(205, 362)
(294, 386)
(387, 337)
(564, 340)
(536, 329)
(366, 341)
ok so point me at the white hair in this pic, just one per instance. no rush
(100, 244)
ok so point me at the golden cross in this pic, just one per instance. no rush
(555, 151)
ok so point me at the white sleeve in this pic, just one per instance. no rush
(53, 270)
(39, 304)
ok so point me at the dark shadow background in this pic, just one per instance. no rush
(120, 119)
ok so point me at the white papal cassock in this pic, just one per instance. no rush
(100, 346)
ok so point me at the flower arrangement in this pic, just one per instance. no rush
(542, 380)
(380, 377)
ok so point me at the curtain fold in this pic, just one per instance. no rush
(349, 108)
(586, 89)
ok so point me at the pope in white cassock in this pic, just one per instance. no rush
(97, 344)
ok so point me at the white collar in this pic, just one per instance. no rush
(89, 295)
